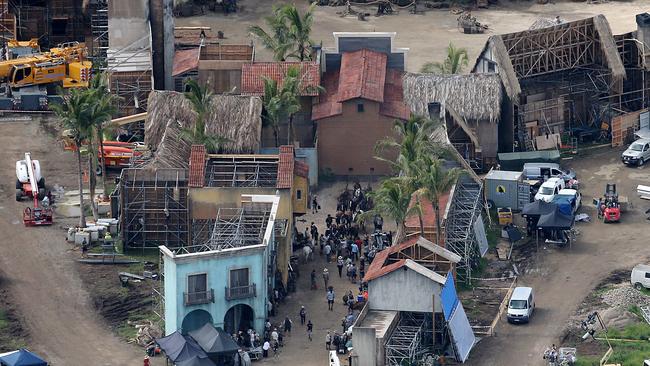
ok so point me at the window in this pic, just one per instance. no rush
(647, 275)
(492, 66)
(360, 107)
(239, 277)
(197, 288)
(299, 194)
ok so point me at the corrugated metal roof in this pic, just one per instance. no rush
(197, 166)
(285, 167)
(186, 60)
(129, 61)
(252, 82)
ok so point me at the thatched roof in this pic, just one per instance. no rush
(498, 52)
(540, 23)
(472, 97)
(236, 118)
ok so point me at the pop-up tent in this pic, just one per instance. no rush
(555, 220)
(21, 357)
(179, 348)
(214, 340)
(196, 361)
(537, 208)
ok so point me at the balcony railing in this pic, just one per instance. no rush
(200, 297)
(241, 292)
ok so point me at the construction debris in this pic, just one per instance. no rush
(469, 25)
(147, 332)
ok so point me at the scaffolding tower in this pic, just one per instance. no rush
(410, 340)
(232, 228)
(99, 28)
(242, 171)
(460, 236)
(154, 209)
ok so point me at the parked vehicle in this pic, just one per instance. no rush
(549, 189)
(568, 197)
(640, 276)
(505, 188)
(547, 170)
(637, 153)
(521, 305)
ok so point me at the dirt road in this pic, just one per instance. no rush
(40, 273)
(426, 35)
(563, 277)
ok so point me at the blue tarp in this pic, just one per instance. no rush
(448, 296)
(565, 204)
(22, 358)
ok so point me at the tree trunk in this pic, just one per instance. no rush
(289, 130)
(292, 132)
(399, 233)
(275, 134)
(102, 161)
(82, 216)
(436, 209)
(92, 181)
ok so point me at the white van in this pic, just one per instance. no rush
(521, 305)
(640, 276)
(547, 170)
(549, 189)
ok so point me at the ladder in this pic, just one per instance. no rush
(645, 311)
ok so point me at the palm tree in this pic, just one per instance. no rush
(104, 109)
(277, 40)
(434, 181)
(75, 113)
(272, 107)
(392, 199)
(289, 32)
(200, 97)
(453, 64)
(300, 30)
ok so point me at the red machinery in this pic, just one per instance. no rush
(32, 216)
(610, 208)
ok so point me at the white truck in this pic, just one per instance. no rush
(549, 189)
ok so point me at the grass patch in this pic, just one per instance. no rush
(493, 235)
(636, 311)
(128, 331)
(625, 352)
(587, 361)
(8, 341)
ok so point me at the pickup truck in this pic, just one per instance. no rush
(568, 200)
(637, 154)
(549, 189)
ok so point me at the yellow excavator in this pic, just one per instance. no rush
(64, 64)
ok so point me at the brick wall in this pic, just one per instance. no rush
(348, 140)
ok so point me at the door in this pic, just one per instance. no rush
(523, 195)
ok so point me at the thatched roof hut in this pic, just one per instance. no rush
(236, 118)
(501, 49)
(473, 97)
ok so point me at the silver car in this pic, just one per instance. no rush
(637, 153)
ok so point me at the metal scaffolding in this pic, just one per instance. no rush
(99, 28)
(465, 210)
(154, 208)
(242, 171)
(410, 340)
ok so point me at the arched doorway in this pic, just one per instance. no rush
(238, 317)
(195, 320)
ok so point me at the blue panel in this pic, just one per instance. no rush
(448, 296)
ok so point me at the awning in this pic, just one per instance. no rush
(214, 340)
(515, 161)
(555, 220)
(538, 208)
(179, 348)
(22, 357)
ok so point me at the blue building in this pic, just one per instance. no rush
(226, 276)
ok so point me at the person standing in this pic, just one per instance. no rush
(326, 277)
(339, 265)
(314, 204)
(275, 336)
(327, 250)
(354, 248)
(313, 230)
(303, 315)
(328, 220)
(310, 329)
(328, 340)
(314, 286)
(330, 299)
(265, 348)
(287, 325)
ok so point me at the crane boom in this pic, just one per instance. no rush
(32, 177)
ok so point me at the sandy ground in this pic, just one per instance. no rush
(426, 35)
(40, 273)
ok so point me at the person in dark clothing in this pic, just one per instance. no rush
(328, 220)
(339, 265)
(303, 315)
(314, 286)
(287, 325)
(310, 329)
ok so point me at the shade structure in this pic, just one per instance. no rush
(538, 208)
(22, 358)
(196, 361)
(179, 348)
(214, 340)
(555, 220)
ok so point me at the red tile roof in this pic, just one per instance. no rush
(185, 61)
(252, 82)
(362, 75)
(285, 167)
(301, 169)
(369, 80)
(428, 215)
(197, 166)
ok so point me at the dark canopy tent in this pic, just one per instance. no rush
(179, 348)
(214, 340)
(22, 358)
(555, 220)
(538, 208)
(196, 361)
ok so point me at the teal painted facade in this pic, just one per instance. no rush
(217, 265)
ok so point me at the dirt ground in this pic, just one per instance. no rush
(563, 278)
(426, 35)
(39, 273)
